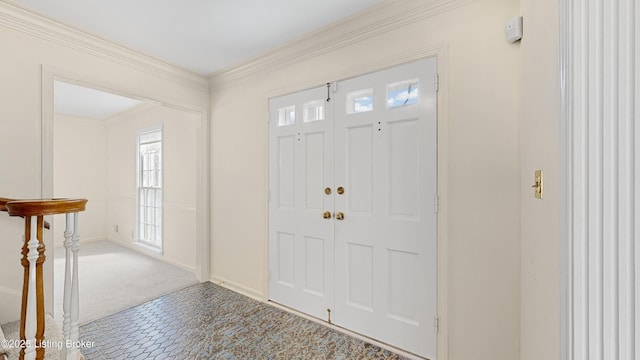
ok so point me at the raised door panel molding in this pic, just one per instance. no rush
(17, 17)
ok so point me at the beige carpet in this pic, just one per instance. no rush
(114, 278)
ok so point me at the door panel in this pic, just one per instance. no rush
(301, 163)
(402, 187)
(359, 157)
(315, 259)
(386, 244)
(314, 171)
(286, 259)
(360, 276)
(286, 171)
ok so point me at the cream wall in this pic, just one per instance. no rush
(479, 110)
(79, 171)
(27, 45)
(539, 127)
(179, 179)
(96, 160)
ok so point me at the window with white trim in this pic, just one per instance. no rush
(149, 228)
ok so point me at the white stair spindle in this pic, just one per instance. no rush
(71, 292)
(66, 305)
(73, 352)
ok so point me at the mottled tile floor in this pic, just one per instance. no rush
(207, 321)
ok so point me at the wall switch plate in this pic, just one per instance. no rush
(538, 184)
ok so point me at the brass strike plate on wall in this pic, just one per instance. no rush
(538, 184)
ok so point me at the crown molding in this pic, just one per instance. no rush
(18, 17)
(385, 17)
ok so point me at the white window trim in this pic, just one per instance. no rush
(144, 245)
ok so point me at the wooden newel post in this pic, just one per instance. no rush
(32, 323)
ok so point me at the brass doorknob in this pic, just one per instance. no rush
(339, 216)
(340, 190)
(326, 215)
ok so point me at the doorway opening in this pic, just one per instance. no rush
(96, 140)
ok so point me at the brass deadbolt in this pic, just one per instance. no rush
(327, 190)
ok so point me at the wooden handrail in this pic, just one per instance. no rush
(3, 203)
(51, 207)
(32, 315)
(44, 206)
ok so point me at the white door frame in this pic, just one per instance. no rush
(440, 52)
(52, 73)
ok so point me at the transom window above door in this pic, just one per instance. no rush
(402, 93)
(287, 115)
(314, 110)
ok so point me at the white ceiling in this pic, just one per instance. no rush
(203, 36)
(88, 103)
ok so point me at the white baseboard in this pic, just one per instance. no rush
(234, 286)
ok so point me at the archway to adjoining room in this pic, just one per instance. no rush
(145, 239)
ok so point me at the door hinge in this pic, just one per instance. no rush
(436, 323)
(329, 316)
(436, 82)
(436, 203)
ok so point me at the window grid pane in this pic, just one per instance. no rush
(359, 101)
(150, 189)
(402, 93)
(287, 116)
(314, 110)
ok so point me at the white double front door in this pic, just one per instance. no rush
(352, 208)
